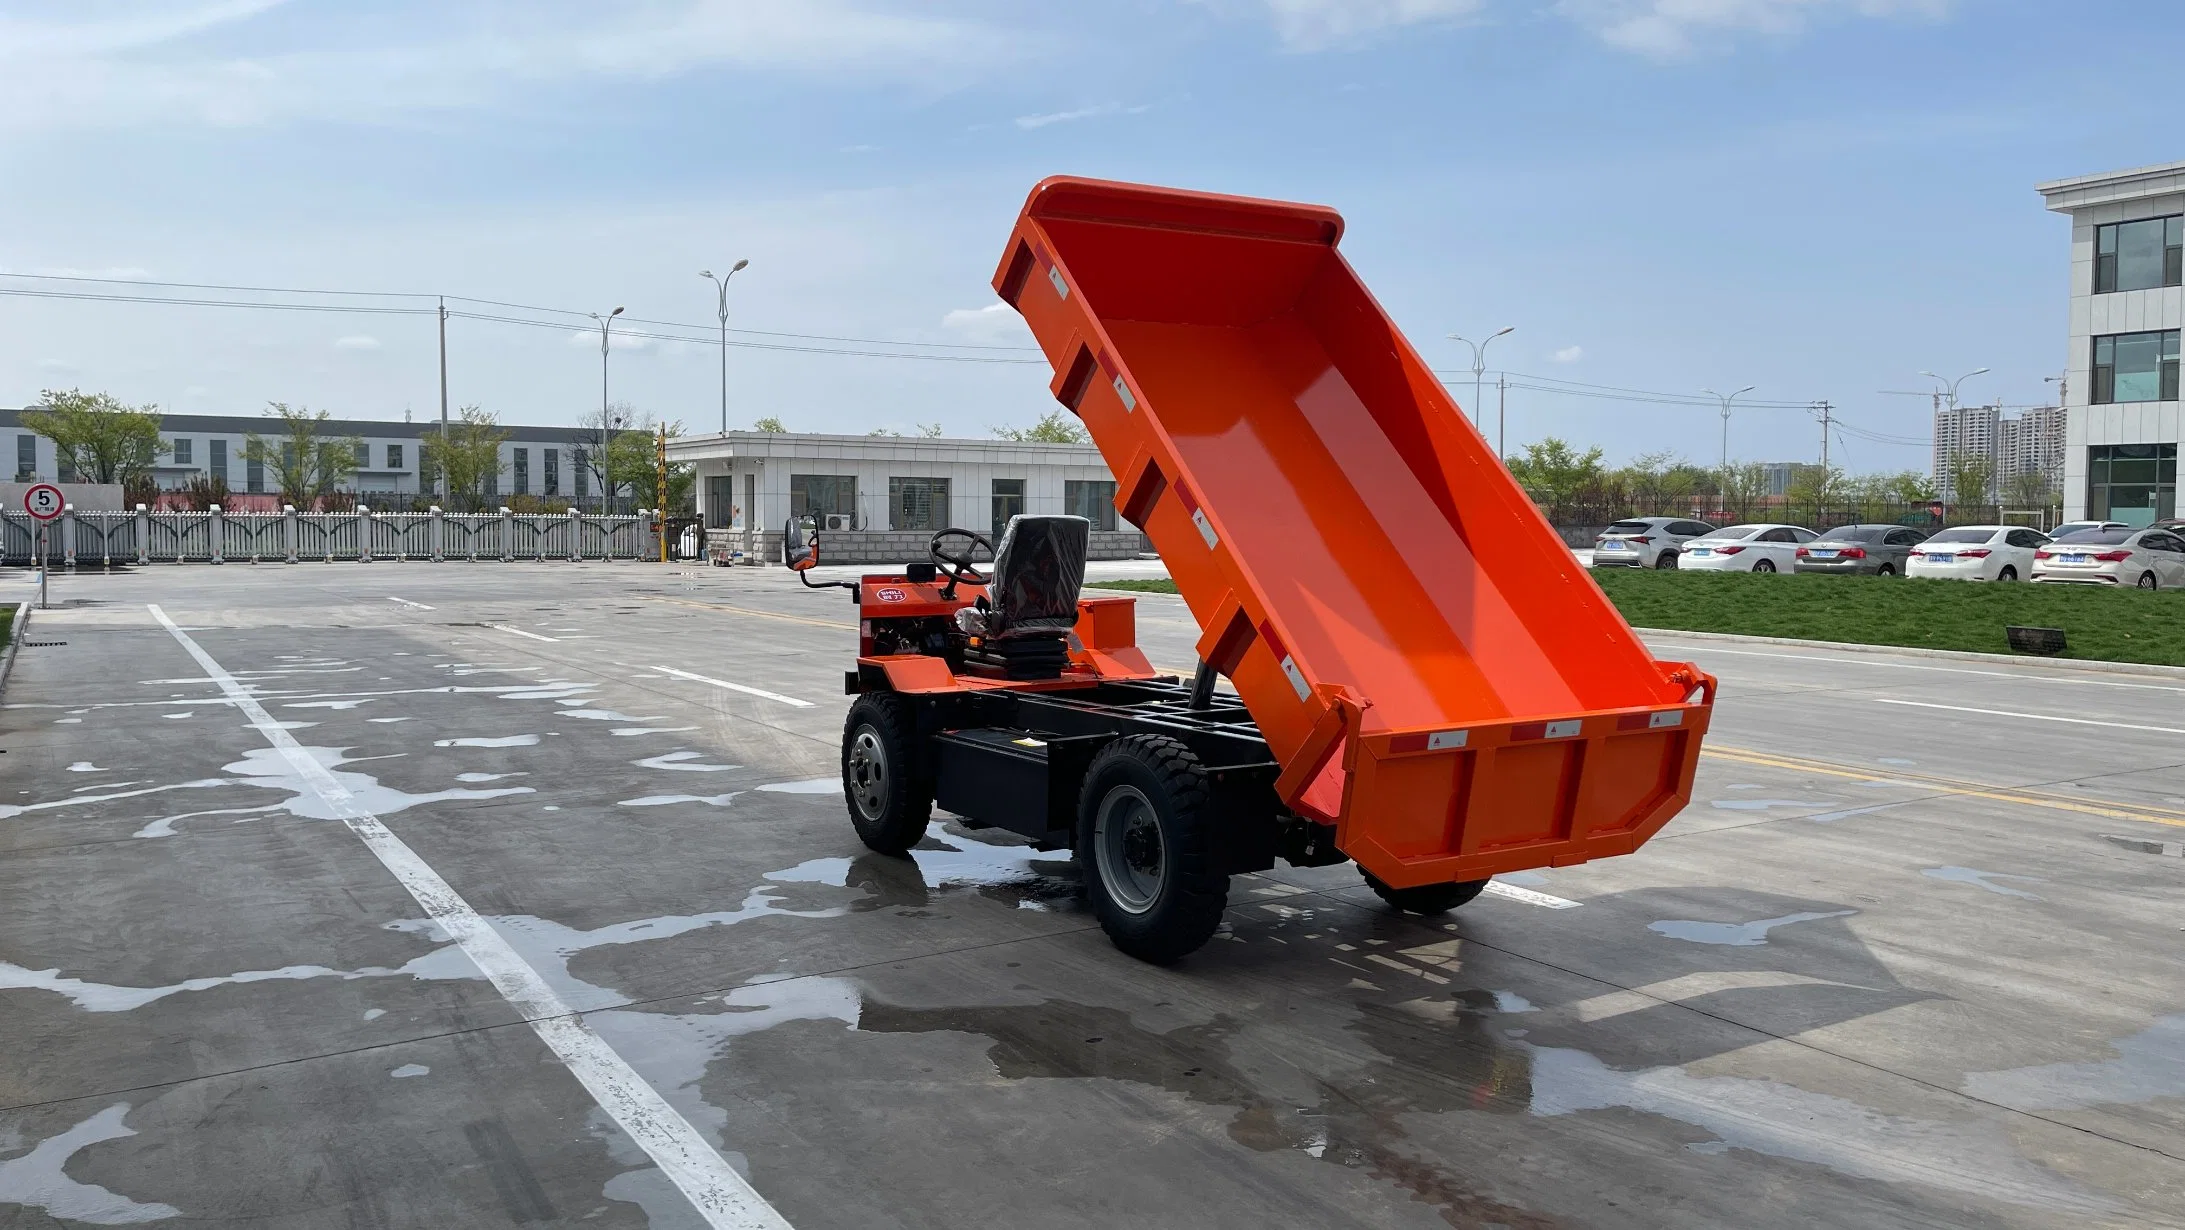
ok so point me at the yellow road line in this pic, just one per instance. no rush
(744, 610)
(1947, 785)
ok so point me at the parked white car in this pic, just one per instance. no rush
(1746, 548)
(2073, 527)
(1977, 553)
(2152, 558)
(1646, 542)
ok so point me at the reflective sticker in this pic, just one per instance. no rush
(1054, 275)
(1667, 717)
(1028, 743)
(1122, 390)
(1560, 730)
(1206, 528)
(1441, 739)
(1297, 679)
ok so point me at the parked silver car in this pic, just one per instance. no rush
(1646, 542)
(1864, 550)
(2147, 559)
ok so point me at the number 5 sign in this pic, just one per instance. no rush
(44, 501)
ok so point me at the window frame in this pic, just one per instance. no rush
(842, 486)
(2108, 266)
(930, 495)
(1092, 499)
(2104, 374)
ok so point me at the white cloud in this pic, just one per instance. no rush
(1569, 354)
(356, 341)
(1081, 113)
(996, 322)
(1667, 29)
(359, 64)
(1310, 25)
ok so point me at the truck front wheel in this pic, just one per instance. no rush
(1143, 848)
(889, 803)
(1426, 898)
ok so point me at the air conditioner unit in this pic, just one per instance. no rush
(839, 521)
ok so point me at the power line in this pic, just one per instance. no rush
(560, 326)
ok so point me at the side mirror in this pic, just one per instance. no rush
(799, 546)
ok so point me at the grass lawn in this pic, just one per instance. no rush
(2105, 624)
(7, 624)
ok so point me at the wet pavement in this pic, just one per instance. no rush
(469, 895)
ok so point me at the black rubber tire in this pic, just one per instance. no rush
(1766, 565)
(1667, 559)
(2147, 581)
(2008, 574)
(891, 815)
(1886, 570)
(1185, 907)
(1427, 898)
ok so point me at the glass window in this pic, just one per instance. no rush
(1090, 499)
(2135, 367)
(1630, 527)
(2025, 538)
(394, 456)
(1968, 534)
(2096, 538)
(818, 495)
(26, 458)
(579, 463)
(1904, 538)
(553, 471)
(2135, 484)
(1737, 533)
(917, 503)
(1691, 528)
(254, 472)
(1008, 502)
(521, 458)
(218, 459)
(2138, 255)
(1851, 533)
(182, 451)
(720, 501)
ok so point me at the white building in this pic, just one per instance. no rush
(1968, 431)
(549, 462)
(2034, 442)
(876, 498)
(2127, 306)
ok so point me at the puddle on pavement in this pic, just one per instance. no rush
(1736, 935)
(2148, 1065)
(270, 768)
(663, 800)
(816, 785)
(1014, 874)
(684, 762)
(39, 1179)
(500, 741)
(1983, 879)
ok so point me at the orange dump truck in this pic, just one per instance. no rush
(1426, 682)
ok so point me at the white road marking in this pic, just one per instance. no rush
(721, 1196)
(520, 632)
(1496, 888)
(1947, 670)
(2035, 717)
(406, 602)
(735, 687)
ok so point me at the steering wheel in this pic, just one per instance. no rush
(957, 566)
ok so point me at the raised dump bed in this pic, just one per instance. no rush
(1437, 676)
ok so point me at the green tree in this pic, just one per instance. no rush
(97, 437)
(2031, 489)
(308, 468)
(1058, 427)
(1553, 469)
(1819, 487)
(1970, 478)
(633, 462)
(1910, 487)
(930, 431)
(467, 453)
(1660, 483)
(770, 424)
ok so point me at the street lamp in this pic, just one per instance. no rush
(1954, 383)
(1479, 369)
(722, 284)
(606, 485)
(1726, 399)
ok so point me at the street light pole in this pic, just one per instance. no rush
(1952, 395)
(1479, 370)
(721, 283)
(1956, 431)
(606, 481)
(1726, 399)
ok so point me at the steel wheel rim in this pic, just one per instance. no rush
(2148, 581)
(869, 774)
(1129, 849)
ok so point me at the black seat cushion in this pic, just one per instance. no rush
(1037, 575)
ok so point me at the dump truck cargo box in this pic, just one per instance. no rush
(1439, 678)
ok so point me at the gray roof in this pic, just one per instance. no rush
(238, 424)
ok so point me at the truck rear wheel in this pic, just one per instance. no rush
(1143, 848)
(1426, 898)
(889, 803)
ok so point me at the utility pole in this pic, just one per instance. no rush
(443, 403)
(660, 506)
(606, 470)
(1479, 363)
(1502, 419)
(722, 283)
(1825, 409)
(1726, 399)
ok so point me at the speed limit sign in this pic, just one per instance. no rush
(44, 501)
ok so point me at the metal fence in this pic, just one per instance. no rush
(93, 539)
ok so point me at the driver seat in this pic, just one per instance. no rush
(1037, 574)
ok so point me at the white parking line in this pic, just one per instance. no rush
(721, 1196)
(1496, 888)
(520, 632)
(1947, 670)
(2032, 717)
(406, 602)
(735, 687)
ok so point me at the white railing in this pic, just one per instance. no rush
(92, 539)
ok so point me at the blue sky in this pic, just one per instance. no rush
(1816, 197)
